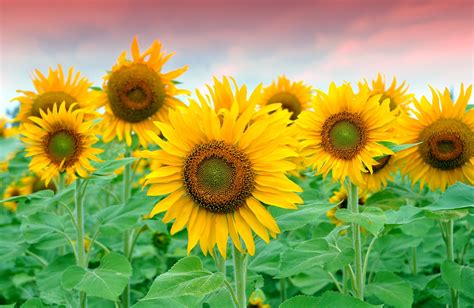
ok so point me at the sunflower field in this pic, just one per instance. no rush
(141, 193)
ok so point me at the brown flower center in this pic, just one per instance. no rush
(288, 101)
(47, 100)
(218, 176)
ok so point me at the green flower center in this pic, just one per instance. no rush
(135, 92)
(344, 135)
(288, 101)
(447, 144)
(63, 145)
(47, 100)
(218, 176)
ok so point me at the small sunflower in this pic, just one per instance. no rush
(14, 190)
(136, 92)
(217, 171)
(446, 132)
(257, 300)
(56, 89)
(382, 173)
(397, 95)
(341, 196)
(293, 96)
(344, 135)
(34, 183)
(60, 142)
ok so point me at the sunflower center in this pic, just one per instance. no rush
(382, 162)
(288, 101)
(344, 135)
(135, 92)
(218, 176)
(447, 144)
(47, 100)
(63, 145)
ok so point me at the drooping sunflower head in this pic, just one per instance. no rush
(346, 132)
(219, 171)
(340, 196)
(56, 89)
(446, 131)
(382, 173)
(257, 300)
(136, 92)
(293, 96)
(397, 95)
(61, 141)
(34, 183)
(14, 190)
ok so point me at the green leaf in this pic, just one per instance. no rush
(107, 281)
(332, 299)
(398, 147)
(43, 195)
(12, 243)
(186, 277)
(41, 225)
(391, 290)
(96, 88)
(47, 280)
(175, 302)
(458, 277)
(267, 258)
(112, 165)
(301, 301)
(404, 215)
(371, 218)
(122, 217)
(457, 196)
(312, 253)
(305, 214)
(33, 303)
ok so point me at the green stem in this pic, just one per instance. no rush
(345, 280)
(41, 260)
(366, 260)
(59, 187)
(240, 276)
(449, 232)
(413, 260)
(126, 235)
(336, 283)
(353, 202)
(81, 256)
(283, 289)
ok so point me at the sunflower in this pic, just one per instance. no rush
(257, 300)
(446, 132)
(340, 196)
(14, 190)
(397, 95)
(136, 93)
(60, 142)
(293, 96)
(217, 170)
(34, 183)
(55, 89)
(382, 173)
(344, 135)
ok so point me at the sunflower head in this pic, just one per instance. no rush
(219, 172)
(340, 196)
(56, 88)
(445, 131)
(345, 135)
(137, 92)
(14, 190)
(35, 183)
(60, 142)
(293, 96)
(257, 300)
(396, 94)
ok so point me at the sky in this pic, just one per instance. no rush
(423, 42)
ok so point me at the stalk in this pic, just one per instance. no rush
(413, 260)
(240, 276)
(59, 187)
(353, 202)
(449, 233)
(126, 235)
(81, 256)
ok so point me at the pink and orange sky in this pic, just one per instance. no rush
(423, 42)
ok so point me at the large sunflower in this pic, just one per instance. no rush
(344, 135)
(446, 132)
(397, 95)
(60, 142)
(293, 96)
(55, 89)
(218, 170)
(136, 92)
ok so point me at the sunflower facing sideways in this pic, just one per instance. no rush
(218, 171)
(293, 96)
(382, 173)
(55, 89)
(397, 95)
(14, 190)
(344, 135)
(136, 92)
(60, 141)
(446, 132)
